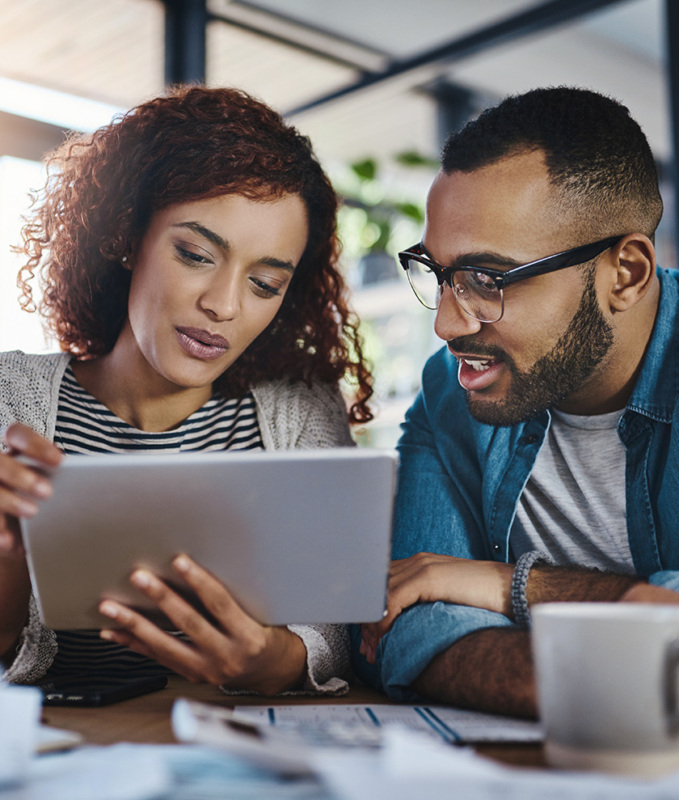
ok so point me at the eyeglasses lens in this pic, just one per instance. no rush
(475, 292)
(478, 295)
(424, 283)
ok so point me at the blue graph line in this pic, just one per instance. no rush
(441, 728)
(454, 734)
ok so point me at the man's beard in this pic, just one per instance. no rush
(553, 377)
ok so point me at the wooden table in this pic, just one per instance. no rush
(146, 719)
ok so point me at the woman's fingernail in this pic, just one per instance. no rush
(108, 609)
(141, 578)
(106, 634)
(25, 508)
(181, 564)
(43, 489)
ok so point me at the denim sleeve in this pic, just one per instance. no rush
(438, 509)
(667, 578)
(417, 637)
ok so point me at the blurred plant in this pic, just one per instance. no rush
(376, 219)
(371, 221)
(383, 212)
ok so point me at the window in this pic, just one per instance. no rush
(18, 329)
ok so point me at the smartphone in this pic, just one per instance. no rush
(83, 690)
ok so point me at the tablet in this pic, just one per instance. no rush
(297, 536)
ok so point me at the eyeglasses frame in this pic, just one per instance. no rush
(542, 266)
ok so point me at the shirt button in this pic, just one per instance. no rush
(496, 547)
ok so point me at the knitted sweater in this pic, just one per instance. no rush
(290, 416)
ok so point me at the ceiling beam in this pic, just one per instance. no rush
(294, 32)
(28, 138)
(428, 65)
(185, 48)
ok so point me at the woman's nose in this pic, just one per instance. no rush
(221, 298)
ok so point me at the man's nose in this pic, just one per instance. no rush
(451, 320)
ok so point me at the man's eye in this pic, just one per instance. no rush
(480, 281)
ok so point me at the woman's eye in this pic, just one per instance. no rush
(190, 257)
(263, 289)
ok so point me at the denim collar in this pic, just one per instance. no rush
(657, 388)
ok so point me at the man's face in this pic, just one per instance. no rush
(553, 338)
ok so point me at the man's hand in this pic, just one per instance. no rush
(235, 651)
(647, 593)
(430, 577)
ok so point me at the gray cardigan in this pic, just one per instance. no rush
(290, 416)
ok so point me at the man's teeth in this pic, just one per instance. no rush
(477, 364)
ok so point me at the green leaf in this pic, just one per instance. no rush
(366, 170)
(411, 158)
(411, 210)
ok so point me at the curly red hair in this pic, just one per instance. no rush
(102, 191)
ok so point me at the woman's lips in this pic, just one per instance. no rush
(202, 344)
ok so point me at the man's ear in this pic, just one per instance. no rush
(633, 260)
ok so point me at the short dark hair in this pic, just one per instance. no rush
(597, 156)
(193, 143)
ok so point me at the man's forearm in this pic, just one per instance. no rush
(549, 584)
(490, 670)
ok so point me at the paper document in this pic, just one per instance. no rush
(339, 724)
(119, 772)
(411, 767)
(50, 740)
(289, 739)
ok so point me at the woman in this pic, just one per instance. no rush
(187, 253)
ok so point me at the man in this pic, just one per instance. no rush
(540, 461)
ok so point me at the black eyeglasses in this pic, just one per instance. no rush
(479, 290)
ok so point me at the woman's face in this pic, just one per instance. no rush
(208, 278)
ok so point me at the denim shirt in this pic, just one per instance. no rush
(460, 481)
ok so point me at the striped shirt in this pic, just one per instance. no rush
(84, 425)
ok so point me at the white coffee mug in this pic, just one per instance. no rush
(608, 685)
(19, 718)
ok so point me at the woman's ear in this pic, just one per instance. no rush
(633, 262)
(130, 256)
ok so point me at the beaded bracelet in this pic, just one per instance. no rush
(519, 581)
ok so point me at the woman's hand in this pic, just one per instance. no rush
(430, 577)
(236, 651)
(23, 486)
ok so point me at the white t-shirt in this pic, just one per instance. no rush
(572, 508)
